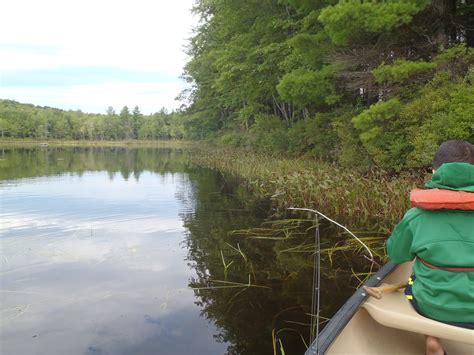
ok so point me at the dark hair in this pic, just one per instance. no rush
(452, 151)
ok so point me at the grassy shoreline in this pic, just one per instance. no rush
(374, 201)
(17, 142)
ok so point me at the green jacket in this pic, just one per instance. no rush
(443, 238)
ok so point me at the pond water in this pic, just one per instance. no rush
(132, 251)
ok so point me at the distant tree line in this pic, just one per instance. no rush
(29, 121)
(361, 83)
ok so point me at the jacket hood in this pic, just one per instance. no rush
(453, 176)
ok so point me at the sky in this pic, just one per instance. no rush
(92, 54)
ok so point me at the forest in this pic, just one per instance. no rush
(361, 83)
(29, 121)
(358, 83)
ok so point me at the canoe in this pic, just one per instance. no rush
(366, 325)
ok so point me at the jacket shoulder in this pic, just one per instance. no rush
(412, 214)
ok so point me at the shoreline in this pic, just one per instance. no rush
(95, 143)
(373, 201)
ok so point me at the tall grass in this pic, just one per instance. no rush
(369, 204)
(373, 201)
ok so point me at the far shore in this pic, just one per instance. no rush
(21, 142)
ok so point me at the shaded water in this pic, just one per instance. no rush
(128, 251)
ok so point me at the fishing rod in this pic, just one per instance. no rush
(316, 292)
(370, 257)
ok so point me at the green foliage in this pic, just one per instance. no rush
(305, 6)
(314, 136)
(350, 151)
(401, 70)
(445, 110)
(457, 60)
(360, 200)
(459, 54)
(309, 51)
(234, 139)
(29, 121)
(245, 116)
(314, 65)
(288, 76)
(353, 19)
(306, 88)
(398, 135)
(382, 133)
(202, 124)
(269, 134)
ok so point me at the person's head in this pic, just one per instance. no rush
(454, 151)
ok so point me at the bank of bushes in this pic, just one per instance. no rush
(361, 83)
(391, 134)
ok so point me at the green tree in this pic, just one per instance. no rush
(4, 127)
(300, 60)
(137, 119)
(126, 124)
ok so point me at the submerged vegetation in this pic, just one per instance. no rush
(255, 283)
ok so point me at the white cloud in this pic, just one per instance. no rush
(140, 35)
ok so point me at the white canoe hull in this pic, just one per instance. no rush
(387, 326)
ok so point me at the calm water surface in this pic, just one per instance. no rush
(96, 264)
(128, 251)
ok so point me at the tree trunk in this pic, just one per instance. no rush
(469, 25)
(281, 108)
(305, 114)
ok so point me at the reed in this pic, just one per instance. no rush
(226, 265)
(373, 201)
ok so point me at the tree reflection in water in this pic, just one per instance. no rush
(129, 162)
(276, 259)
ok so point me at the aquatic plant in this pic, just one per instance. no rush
(373, 201)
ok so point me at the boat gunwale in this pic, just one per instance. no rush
(346, 312)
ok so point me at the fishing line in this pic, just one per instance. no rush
(370, 257)
(316, 292)
(315, 297)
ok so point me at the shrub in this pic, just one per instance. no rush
(445, 110)
(383, 133)
(233, 139)
(269, 134)
(314, 136)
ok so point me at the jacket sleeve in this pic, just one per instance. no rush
(400, 242)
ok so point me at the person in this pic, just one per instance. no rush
(440, 237)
